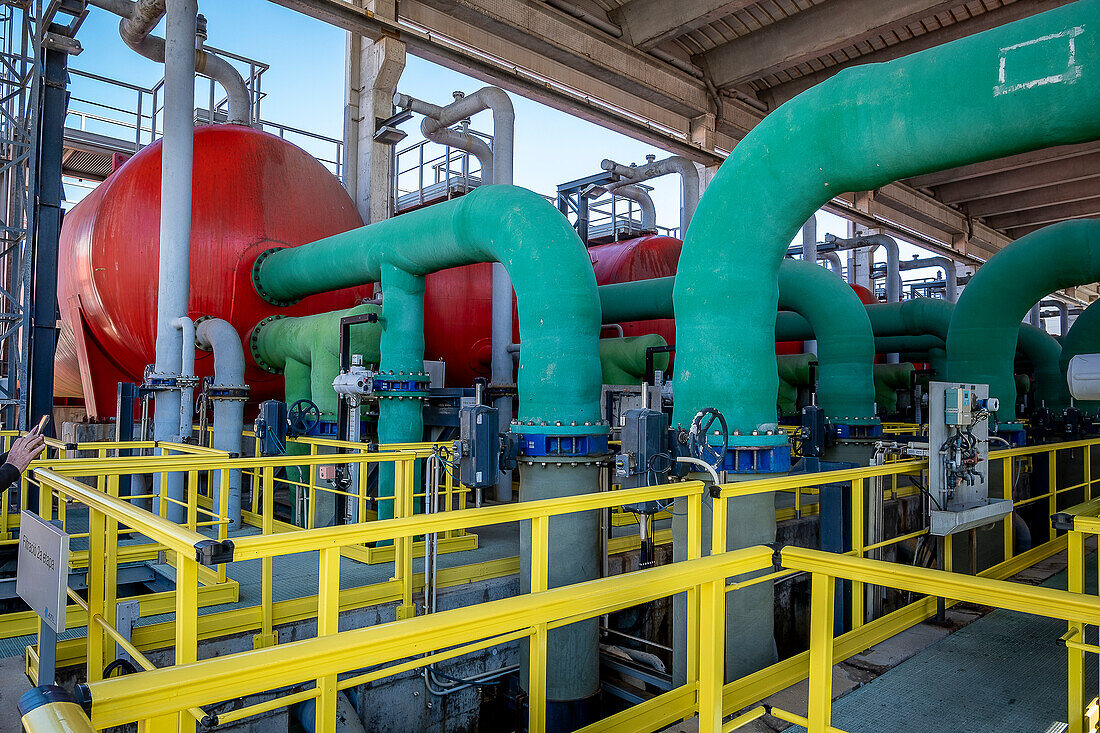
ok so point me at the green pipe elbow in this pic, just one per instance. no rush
(559, 308)
(1044, 353)
(623, 359)
(889, 378)
(866, 127)
(794, 372)
(306, 350)
(981, 343)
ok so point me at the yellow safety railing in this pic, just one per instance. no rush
(161, 698)
(1079, 521)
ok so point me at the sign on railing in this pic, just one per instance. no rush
(43, 571)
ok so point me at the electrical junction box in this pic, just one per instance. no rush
(477, 449)
(958, 402)
(271, 426)
(643, 433)
(958, 459)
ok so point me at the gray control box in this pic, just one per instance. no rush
(478, 448)
(642, 438)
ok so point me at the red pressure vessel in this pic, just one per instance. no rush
(252, 191)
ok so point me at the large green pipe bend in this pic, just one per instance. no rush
(623, 359)
(981, 343)
(306, 351)
(864, 128)
(559, 310)
(823, 307)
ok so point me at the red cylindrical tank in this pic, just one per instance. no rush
(251, 191)
(458, 303)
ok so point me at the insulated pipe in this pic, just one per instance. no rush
(1063, 314)
(809, 240)
(982, 340)
(174, 262)
(623, 359)
(955, 104)
(1034, 316)
(834, 263)
(893, 270)
(218, 336)
(559, 372)
(1083, 337)
(644, 201)
(279, 344)
(950, 275)
(187, 378)
(834, 312)
(497, 168)
(1044, 353)
(689, 180)
(138, 21)
(794, 372)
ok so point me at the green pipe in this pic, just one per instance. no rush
(1044, 353)
(927, 348)
(981, 342)
(888, 379)
(282, 345)
(794, 372)
(623, 359)
(827, 309)
(1083, 337)
(559, 373)
(864, 128)
(845, 343)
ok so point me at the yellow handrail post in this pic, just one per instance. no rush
(1076, 656)
(536, 681)
(267, 637)
(1006, 471)
(192, 500)
(712, 654)
(540, 553)
(328, 622)
(311, 493)
(110, 571)
(719, 509)
(361, 493)
(97, 584)
(859, 541)
(159, 724)
(1088, 472)
(223, 515)
(404, 488)
(187, 621)
(694, 551)
(819, 710)
(1052, 487)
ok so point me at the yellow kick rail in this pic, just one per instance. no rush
(158, 698)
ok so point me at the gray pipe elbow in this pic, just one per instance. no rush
(221, 71)
(644, 201)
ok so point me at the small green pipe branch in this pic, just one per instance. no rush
(1083, 337)
(981, 343)
(822, 306)
(1012, 89)
(623, 359)
(306, 351)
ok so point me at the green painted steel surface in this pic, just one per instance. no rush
(981, 343)
(1015, 88)
(559, 310)
(623, 359)
(308, 348)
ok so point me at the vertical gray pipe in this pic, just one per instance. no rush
(809, 254)
(1035, 316)
(1063, 314)
(174, 267)
(834, 263)
(214, 334)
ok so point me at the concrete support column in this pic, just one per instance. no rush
(702, 133)
(373, 70)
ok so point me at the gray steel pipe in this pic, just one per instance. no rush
(691, 186)
(643, 199)
(497, 166)
(949, 275)
(174, 267)
(218, 336)
(1035, 316)
(893, 265)
(1063, 314)
(187, 379)
(138, 21)
(809, 240)
(834, 262)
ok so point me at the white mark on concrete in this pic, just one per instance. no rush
(1071, 72)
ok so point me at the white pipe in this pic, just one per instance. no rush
(701, 464)
(950, 277)
(643, 199)
(187, 379)
(809, 239)
(834, 262)
(174, 267)
(689, 180)
(1063, 314)
(141, 17)
(1035, 316)
(497, 168)
(218, 336)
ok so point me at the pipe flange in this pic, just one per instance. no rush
(228, 393)
(561, 462)
(254, 345)
(201, 347)
(256, 283)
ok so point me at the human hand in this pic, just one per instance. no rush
(26, 449)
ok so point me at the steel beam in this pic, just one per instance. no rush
(812, 33)
(1003, 165)
(1062, 193)
(1086, 208)
(1068, 170)
(647, 23)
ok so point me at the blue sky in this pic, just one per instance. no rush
(305, 89)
